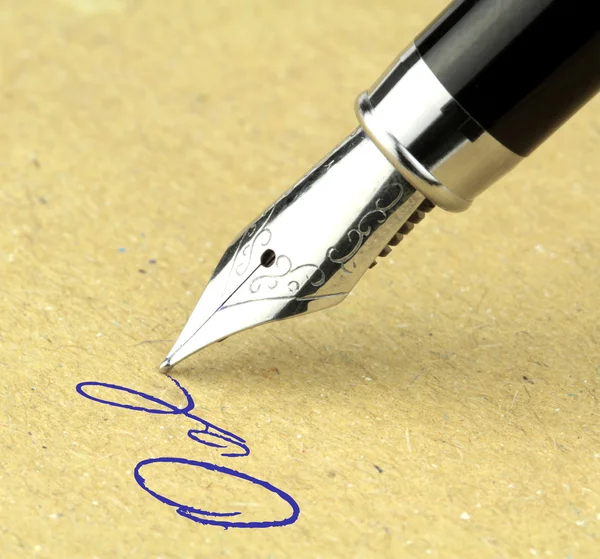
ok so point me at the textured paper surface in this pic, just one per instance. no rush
(448, 408)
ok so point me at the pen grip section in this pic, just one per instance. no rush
(520, 68)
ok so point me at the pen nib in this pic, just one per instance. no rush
(306, 251)
(165, 366)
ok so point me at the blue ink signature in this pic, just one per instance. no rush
(209, 435)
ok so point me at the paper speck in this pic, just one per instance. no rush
(465, 516)
(53, 516)
(122, 249)
(580, 522)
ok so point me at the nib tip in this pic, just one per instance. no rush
(165, 366)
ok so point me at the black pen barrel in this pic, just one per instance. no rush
(519, 68)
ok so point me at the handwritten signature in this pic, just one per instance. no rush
(231, 445)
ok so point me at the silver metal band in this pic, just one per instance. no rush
(428, 137)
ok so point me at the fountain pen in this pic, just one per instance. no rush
(476, 92)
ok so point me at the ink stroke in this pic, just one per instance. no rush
(210, 435)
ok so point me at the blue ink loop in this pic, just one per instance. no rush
(237, 441)
(171, 409)
(192, 435)
(191, 512)
(221, 434)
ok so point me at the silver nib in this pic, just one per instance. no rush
(165, 366)
(308, 250)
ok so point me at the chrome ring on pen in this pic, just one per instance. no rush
(428, 137)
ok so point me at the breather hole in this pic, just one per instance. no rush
(268, 258)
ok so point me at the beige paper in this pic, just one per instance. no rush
(448, 408)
